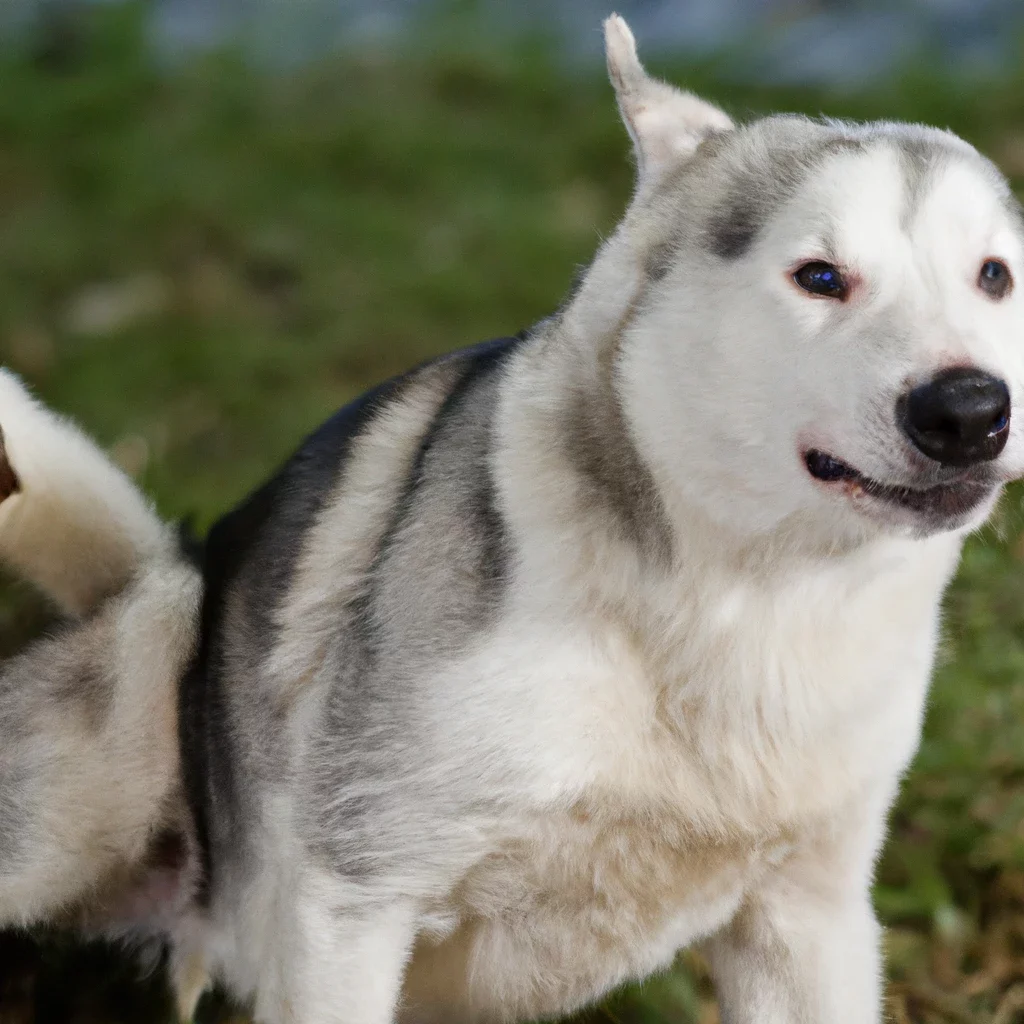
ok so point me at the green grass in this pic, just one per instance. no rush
(261, 249)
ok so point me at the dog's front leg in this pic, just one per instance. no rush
(337, 965)
(804, 948)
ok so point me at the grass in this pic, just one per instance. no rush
(200, 263)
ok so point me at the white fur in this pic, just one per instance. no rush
(664, 122)
(78, 528)
(100, 790)
(90, 760)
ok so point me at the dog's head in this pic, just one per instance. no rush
(827, 328)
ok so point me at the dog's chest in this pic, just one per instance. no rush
(571, 907)
(779, 705)
(698, 781)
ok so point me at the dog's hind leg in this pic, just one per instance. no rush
(337, 965)
(70, 521)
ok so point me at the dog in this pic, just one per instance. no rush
(559, 654)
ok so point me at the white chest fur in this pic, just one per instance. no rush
(662, 788)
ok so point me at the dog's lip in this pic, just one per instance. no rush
(952, 497)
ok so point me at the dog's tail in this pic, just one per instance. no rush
(71, 522)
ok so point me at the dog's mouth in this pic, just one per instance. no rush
(946, 502)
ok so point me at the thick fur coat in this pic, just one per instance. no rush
(559, 654)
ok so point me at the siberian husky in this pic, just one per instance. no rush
(559, 654)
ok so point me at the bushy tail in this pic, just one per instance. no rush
(71, 522)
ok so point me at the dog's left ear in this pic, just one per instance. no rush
(665, 123)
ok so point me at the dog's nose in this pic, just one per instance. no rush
(959, 418)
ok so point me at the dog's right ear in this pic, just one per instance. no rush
(665, 123)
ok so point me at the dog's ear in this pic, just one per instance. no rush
(665, 123)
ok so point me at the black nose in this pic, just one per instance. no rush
(958, 418)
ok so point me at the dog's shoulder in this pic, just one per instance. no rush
(297, 490)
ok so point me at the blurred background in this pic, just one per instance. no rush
(221, 219)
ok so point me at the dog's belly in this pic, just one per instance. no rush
(547, 926)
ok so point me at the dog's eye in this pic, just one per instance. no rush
(821, 279)
(994, 278)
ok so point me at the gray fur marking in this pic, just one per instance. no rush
(761, 177)
(37, 688)
(448, 532)
(757, 188)
(615, 475)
